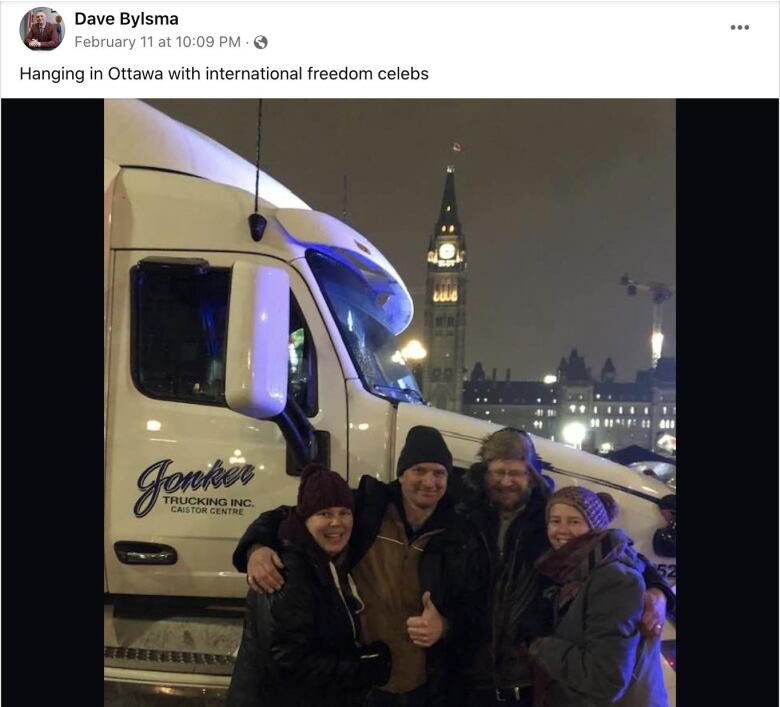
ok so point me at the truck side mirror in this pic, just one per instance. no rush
(257, 340)
(665, 539)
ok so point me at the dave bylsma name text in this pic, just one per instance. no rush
(127, 19)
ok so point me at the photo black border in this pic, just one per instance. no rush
(727, 383)
(52, 509)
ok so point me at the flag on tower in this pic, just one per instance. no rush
(457, 147)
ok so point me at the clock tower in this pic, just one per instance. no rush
(445, 306)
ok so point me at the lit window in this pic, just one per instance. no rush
(448, 208)
(620, 410)
(647, 411)
(595, 410)
(598, 396)
(445, 292)
(572, 408)
(452, 229)
(582, 409)
(663, 410)
(443, 229)
(609, 409)
(631, 409)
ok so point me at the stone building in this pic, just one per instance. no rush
(613, 414)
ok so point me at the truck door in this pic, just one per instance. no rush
(185, 474)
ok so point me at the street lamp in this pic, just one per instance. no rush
(574, 433)
(414, 354)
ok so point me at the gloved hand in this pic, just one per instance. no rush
(376, 663)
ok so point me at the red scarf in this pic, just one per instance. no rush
(571, 565)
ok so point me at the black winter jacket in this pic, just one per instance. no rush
(300, 645)
(515, 610)
(446, 567)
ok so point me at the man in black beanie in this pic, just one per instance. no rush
(410, 555)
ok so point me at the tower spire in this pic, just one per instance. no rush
(445, 304)
(448, 223)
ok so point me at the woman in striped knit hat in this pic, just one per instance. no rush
(596, 655)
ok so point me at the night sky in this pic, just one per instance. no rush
(557, 200)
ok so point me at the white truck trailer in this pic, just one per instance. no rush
(229, 362)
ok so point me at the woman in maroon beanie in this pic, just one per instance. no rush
(301, 645)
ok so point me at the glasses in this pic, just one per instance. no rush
(512, 475)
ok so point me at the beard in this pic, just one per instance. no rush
(508, 500)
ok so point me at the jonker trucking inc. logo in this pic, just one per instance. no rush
(155, 480)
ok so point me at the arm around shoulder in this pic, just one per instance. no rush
(262, 531)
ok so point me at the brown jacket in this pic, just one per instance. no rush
(389, 581)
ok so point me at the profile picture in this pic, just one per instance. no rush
(42, 29)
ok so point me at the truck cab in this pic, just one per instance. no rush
(229, 363)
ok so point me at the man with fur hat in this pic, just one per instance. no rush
(410, 555)
(507, 507)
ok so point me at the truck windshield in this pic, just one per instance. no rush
(372, 346)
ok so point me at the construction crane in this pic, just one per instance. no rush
(660, 293)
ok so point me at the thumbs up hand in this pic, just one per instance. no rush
(429, 627)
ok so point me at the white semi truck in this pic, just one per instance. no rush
(230, 361)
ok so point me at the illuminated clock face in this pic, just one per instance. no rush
(446, 251)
